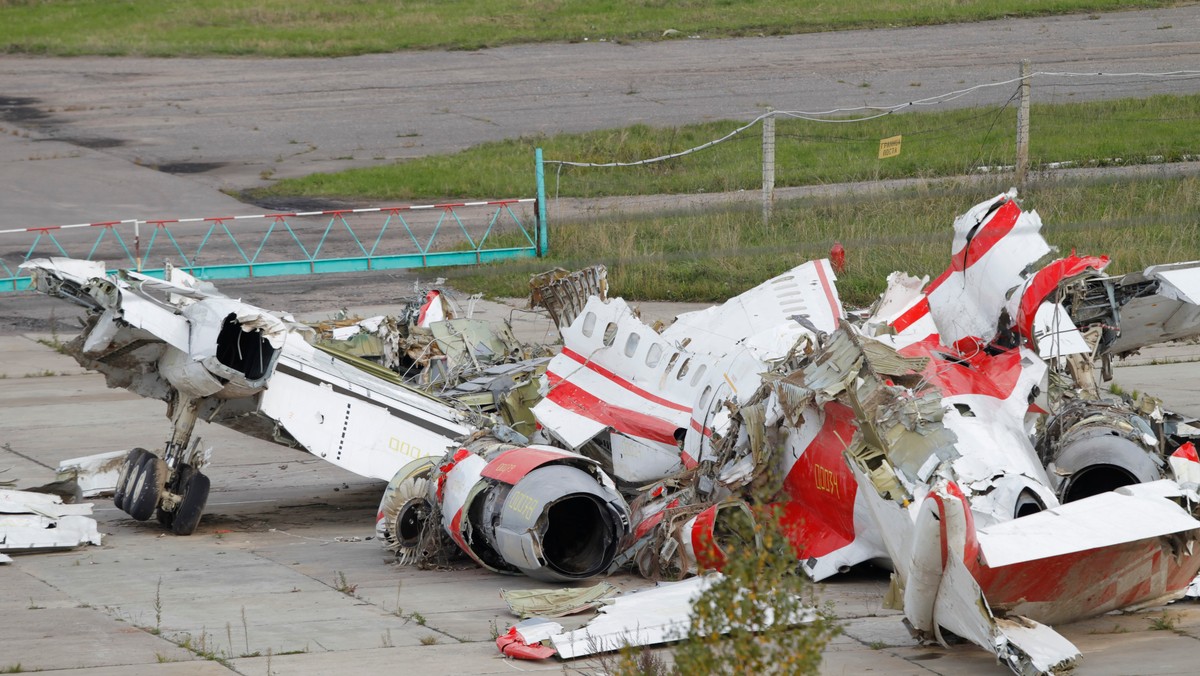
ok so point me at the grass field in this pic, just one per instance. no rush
(712, 256)
(345, 27)
(946, 143)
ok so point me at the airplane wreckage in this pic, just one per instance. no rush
(956, 432)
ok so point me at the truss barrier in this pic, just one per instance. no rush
(299, 243)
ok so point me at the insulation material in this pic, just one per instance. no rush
(526, 603)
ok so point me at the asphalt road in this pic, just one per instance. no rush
(225, 123)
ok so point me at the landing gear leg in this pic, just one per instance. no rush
(171, 484)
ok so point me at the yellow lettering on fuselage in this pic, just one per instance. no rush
(404, 448)
(826, 480)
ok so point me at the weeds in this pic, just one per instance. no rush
(1094, 133)
(200, 647)
(712, 255)
(302, 651)
(340, 584)
(54, 343)
(418, 618)
(12, 669)
(158, 606)
(34, 606)
(386, 639)
(1164, 622)
(429, 639)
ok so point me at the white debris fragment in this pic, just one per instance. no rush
(37, 522)
(95, 474)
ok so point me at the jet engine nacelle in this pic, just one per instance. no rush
(548, 513)
(1092, 449)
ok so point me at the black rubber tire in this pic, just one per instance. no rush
(128, 469)
(144, 493)
(195, 486)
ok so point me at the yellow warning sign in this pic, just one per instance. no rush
(889, 147)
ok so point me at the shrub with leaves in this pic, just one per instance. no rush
(758, 618)
(740, 623)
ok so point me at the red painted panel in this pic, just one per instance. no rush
(512, 465)
(818, 493)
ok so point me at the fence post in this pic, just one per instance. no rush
(137, 244)
(768, 165)
(1023, 124)
(543, 239)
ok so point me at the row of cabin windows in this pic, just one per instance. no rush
(653, 355)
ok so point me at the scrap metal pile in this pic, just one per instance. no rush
(956, 432)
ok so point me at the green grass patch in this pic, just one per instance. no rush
(346, 27)
(713, 255)
(944, 143)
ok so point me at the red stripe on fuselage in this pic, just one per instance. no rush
(627, 421)
(649, 396)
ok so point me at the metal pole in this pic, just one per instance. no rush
(768, 165)
(543, 239)
(137, 244)
(1023, 124)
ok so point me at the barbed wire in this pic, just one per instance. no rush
(880, 111)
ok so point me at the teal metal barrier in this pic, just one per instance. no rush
(315, 242)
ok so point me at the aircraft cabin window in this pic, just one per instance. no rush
(683, 369)
(631, 344)
(610, 334)
(653, 355)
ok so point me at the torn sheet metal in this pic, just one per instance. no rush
(38, 522)
(523, 641)
(995, 245)
(1158, 304)
(563, 294)
(768, 319)
(955, 432)
(211, 358)
(645, 618)
(641, 618)
(94, 474)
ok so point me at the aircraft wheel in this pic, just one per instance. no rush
(146, 488)
(128, 473)
(194, 488)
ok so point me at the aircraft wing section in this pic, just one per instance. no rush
(1109, 519)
